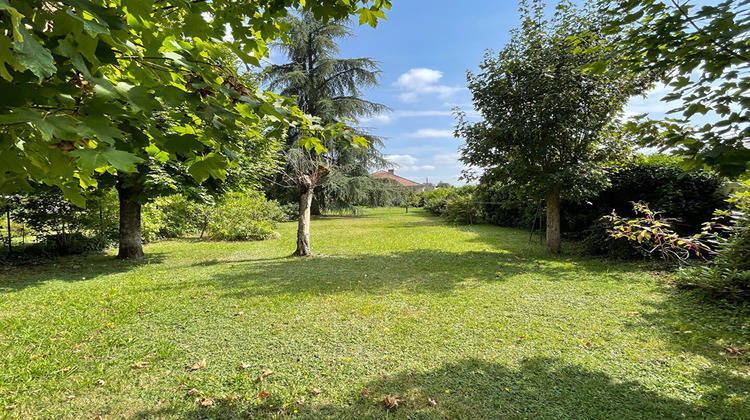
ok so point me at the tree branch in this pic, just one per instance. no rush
(713, 41)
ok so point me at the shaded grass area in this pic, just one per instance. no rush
(474, 318)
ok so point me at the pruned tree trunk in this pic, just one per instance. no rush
(303, 227)
(130, 245)
(553, 222)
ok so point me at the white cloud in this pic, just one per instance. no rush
(408, 163)
(420, 81)
(431, 133)
(447, 158)
(381, 119)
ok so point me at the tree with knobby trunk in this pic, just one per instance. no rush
(83, 79)
(703, 56)
(330, 89)
(546, 123)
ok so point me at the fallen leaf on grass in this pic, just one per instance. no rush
(207, 402)
(197, 365)
(365, 392)
(392, 401)
(38, 356)
(266, 373)
(432, 402)
(140, 365)
(208, 310)
(77, 347)
(243, 366)
(239, 314)
(194, 392)
(316, 391)
(736, 350)
(263, 394)
(70, 398)
(301, 401)
(99, 382)
(633, 313)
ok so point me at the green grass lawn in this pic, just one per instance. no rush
(476, 319)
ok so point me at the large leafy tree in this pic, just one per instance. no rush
(329, 88)
(702, 54)
(100, 86)
(546, 122)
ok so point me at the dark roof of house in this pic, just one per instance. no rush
(401, 180)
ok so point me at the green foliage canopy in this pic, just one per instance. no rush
(546, 123)
(83, 79)
(703, 55)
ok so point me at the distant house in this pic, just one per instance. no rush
(399, 180)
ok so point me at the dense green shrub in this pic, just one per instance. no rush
(728, 274)
(689, 197)
(456, 205)
(244, 216)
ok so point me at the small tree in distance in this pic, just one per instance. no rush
(547, 124)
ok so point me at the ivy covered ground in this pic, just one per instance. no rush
(454, 322)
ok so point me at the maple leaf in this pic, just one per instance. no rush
(140, 365)
(392, 401)
(197, 365)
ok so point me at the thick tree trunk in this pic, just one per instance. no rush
(130, 245)
(303, 227)
(553, 222)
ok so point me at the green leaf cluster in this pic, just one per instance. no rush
(101, 86)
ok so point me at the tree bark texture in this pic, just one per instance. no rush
(130, 245)
(307, 188)
(553, 222)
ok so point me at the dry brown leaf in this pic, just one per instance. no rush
(301, 401)
(197, 365)
(316, 391)
(99, 382)
(70, 398)
(140, 365)
(243, 366)
(194, 392)
(207, 402)
(239, 313)
(392, 401)
(432, 402)
(77, 347)
(263, 394)
(365, 392)
(193, 297)
(633, 313)
(736, 350)
(208, 310)
(37, 356)
(266, 373)
(99, 417)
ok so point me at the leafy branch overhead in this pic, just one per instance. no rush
(93, 86)
(702, 54)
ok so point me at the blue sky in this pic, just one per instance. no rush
(424, 49)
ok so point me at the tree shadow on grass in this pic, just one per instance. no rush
(73, 268)
(538, 388)
(694, 323)
(418, 271)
